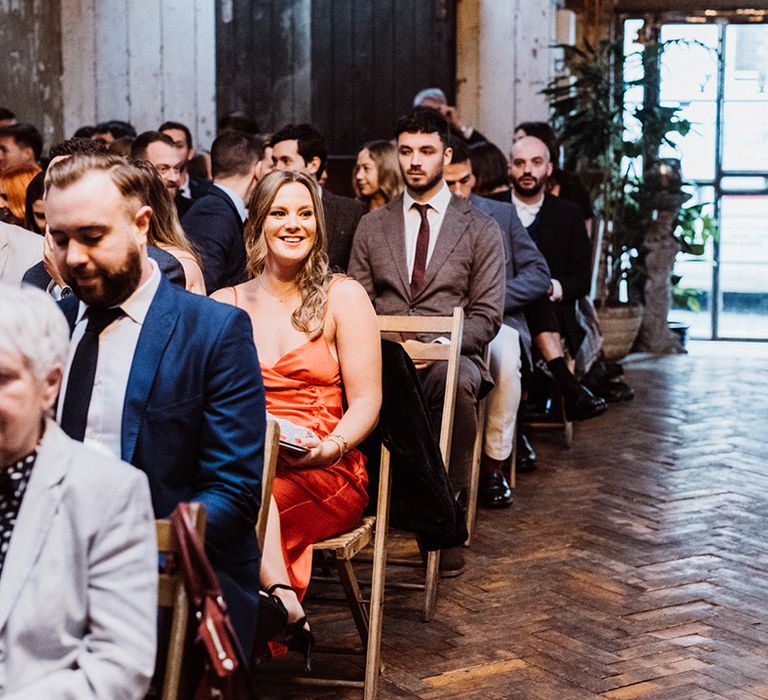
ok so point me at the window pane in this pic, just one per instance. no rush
(746, 62)
(744, 267)
(696, 149)
(745, 136)
(689, 62)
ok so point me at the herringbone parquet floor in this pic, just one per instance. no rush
(634, 565)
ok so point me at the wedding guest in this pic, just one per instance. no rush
(376, 178)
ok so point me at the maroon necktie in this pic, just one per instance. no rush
(422, 246)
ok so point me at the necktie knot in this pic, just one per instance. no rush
(99, 318)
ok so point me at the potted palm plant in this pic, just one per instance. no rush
(588, 113)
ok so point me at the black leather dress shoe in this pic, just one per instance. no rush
(525, 459)
(582, 404)
(494, 490)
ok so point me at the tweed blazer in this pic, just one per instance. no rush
(466, 269)
(19, 250)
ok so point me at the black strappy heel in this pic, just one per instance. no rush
(297, 637)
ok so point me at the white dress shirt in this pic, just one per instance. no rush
(117, 345)
(527, 212)
(435, 215)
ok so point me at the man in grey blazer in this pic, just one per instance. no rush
(425, 253)
(78, 559)
(527, 279)
(19, 250)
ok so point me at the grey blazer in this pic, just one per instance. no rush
(466, 269)
(78, 590)
(527, 272)
(19, 250)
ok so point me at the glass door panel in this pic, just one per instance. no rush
(743, 266)
(689, 62)
(696, 149)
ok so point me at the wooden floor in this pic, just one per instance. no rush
(634, 565)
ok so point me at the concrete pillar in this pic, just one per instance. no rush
(503, 61)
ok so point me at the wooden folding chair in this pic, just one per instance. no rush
(172, 594)
(450, 352)
(367, 614)
(477, 455)
(559, 420)
(271, 447)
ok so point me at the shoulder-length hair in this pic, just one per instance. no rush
(164, 226)
(15, 181)
(489, 166)
(384, 155)
(314, 277)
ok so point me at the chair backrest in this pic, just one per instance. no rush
(451, 327)
(172, 594)
(271, 447)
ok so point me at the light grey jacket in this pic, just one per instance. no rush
(78, 590)
(19, 250)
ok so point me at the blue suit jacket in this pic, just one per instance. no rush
(216, 230)
(526, 269)
(194, 421)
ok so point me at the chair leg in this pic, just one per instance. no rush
(373, 650)
(474, 478)
(355, 598)
(430, 585)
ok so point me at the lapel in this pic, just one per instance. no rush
(221, 194)
(153, 339)
(454, 224)
(393, 232)
(40, 504)
(3, 252)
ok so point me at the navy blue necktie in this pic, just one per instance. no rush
(82, 372)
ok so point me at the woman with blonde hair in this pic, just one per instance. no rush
(13, 193)
(376, 178)
(165, 230)
(318, 342)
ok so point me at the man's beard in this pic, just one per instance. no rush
(420, 189)
(531, 190)
(116, 285)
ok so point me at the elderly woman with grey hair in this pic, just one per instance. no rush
(78, 558)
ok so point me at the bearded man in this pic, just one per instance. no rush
(557, 227)
(166, 380)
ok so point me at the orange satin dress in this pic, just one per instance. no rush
(304, 386)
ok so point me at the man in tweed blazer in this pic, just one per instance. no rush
(463, 266)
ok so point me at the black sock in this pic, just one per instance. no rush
(564, 379)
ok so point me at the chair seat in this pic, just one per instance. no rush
(348, 544)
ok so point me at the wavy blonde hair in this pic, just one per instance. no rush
(315, 276)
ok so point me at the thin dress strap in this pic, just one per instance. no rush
(234, 291)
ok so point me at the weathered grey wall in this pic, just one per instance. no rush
(30, 63)
(144, 61)
(503, 62)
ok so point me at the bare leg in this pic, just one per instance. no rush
(273, 568)
(549, 345)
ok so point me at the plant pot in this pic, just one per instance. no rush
(681, 330)
(619, 326)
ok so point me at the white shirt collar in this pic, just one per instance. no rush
(137, 305)
(439, 202)
(532, 208)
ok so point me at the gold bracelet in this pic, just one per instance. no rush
(340, 443)
(344, 443)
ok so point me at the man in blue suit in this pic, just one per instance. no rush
(166, 380)
(527, 279)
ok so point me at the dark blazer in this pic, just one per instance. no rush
(342, 215)
(561, 236)
(197, 189)
(527, 273)
(38, 276)
(465, 270)
(216, 230)
(193, 421)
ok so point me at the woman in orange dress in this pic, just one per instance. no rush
(318, 342)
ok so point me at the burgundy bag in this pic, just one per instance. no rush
(226, 674)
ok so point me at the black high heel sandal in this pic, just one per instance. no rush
(297, 637)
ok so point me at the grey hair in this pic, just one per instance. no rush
(433, 93)
(34, 327)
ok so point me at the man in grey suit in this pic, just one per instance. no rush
(527, 279)
(425, 253)
(78, 559)
(19, 250)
